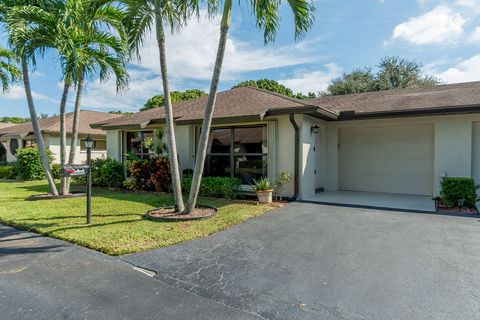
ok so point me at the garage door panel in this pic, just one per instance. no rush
(396, 159)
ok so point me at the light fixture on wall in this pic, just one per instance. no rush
(314, 129)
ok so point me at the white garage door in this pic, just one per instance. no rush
(394, 159)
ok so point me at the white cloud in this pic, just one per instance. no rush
(463, 71)
(315, 81)
(436, 26)
(191, 53)
(17, 92)
(475, 36)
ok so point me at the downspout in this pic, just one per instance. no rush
(297, 157)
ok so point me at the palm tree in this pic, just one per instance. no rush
(87, 42)
(26, 40)
(9, 71)
(267, 17)
(94, 13)
(141, 15)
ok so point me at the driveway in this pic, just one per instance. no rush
(310, 261)
(43, 278)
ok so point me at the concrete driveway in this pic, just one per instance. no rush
(309, 261)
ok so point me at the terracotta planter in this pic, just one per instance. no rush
(265, 196)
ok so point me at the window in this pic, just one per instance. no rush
(29, 143)
(98, 145)
(13, 146)
(238, 152)
(137, 141)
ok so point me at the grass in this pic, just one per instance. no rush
(117, 223)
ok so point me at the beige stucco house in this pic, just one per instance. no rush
(394, 142)
(19, 136)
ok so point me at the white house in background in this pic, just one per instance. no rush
(19, 136)
(397, 142)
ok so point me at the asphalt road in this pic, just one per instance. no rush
(309, 261)
(43, 278)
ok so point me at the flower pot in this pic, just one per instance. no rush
(265, 196)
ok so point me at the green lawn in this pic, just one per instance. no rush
(117, 223)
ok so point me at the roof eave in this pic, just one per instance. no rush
(311, 110)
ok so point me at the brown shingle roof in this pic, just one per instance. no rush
(238, 102)
(4, 125)
(449, 96)
(52, 124)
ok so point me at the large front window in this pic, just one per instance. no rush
(238, 152)
(138, 142)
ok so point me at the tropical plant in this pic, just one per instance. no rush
(267, 18)
(26, 40)
(9, 71)
(29, 164)
(262, 184)
(141, 16)
(176, 96)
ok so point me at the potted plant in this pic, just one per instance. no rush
(264, 189)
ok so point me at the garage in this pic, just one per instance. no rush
(393, 159)
(476, 151)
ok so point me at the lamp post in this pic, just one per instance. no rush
(89, 146)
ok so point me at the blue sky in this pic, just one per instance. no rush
(442, 35)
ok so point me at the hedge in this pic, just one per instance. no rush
(217, 187)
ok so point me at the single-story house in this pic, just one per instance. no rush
(398, 142)
(21, 135)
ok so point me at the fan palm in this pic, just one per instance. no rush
(9, 71)
(141, 16)
(26, 40)
(267, 17)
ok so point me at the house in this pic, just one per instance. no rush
(21, 135)
(399, 142)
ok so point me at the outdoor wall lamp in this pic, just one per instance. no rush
(89, 142)
(314, 129)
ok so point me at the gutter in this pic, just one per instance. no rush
(297, 156)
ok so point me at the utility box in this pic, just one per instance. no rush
(75, 170)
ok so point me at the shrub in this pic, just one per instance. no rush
(145, 172)
(217, 187)
(56, 170)
(8, 172)
(29, 164)
(263, 184)
(454, 189)
(107, 173)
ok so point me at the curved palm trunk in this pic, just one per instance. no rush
(63, 135)
(75, 125)
(36, 129)
(172, 146)
(209, 109)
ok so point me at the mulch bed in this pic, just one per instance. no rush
(170, 214)
(458, 210)
(48, 196)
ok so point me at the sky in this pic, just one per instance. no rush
(444, 36)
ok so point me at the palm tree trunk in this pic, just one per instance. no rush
(76, 122)
(63, 135)
(36, 129)
(209, 109)
(172, 146)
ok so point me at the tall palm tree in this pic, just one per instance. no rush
(96, 13)
(90, 37)
(267, 17)
(9, 71)
(141, 15)
(26, 40)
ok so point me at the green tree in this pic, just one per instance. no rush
(9, 71)
(267, 18)
(393, 73)
(15, 120)
(24, 37)
(274, 86)
(142, 15)
(176, 96)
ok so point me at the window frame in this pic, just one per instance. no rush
(231, 153)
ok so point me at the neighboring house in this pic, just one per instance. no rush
(19, 136)
(400, 141)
